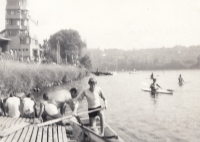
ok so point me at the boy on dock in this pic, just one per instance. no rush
(93, 95)
(29, 107)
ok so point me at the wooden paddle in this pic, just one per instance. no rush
(67, 117)
(146, 84)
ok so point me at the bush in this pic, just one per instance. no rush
(22, 77)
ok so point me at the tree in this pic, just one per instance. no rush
(86, 62)
(71, 44)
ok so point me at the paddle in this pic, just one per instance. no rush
(146, 84)
(66, 117)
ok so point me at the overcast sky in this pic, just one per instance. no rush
(122, 24)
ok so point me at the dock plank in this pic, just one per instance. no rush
(64, 134)
(23, 135)
(45, 137)
(39, 135)
(10, 137)
(7, 125)
(34, 134)
(55, 133)
(18, 133)
(60, 138)
(2, 119)
(29, 133)
(50, 135)
(3, 124)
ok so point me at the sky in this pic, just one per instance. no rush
(120, 24)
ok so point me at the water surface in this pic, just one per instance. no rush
(138, 117)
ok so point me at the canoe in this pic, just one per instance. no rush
(89, 135)
(158, 91)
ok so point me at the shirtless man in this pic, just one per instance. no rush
(71, 102)
(154, 86)
(59, 98)
(93, 95)
(48, 108)
(180, 79)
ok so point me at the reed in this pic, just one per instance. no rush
(23, 77)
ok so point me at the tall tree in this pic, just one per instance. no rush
(71, 44)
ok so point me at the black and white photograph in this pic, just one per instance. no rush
(99, 70)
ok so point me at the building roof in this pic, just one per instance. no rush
(4, 39)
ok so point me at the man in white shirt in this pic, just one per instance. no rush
(93, 95)
(12, 106)
(29, 107)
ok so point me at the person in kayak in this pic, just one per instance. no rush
(93, 95)
(180, 79)
(151, 76)
(154, 86)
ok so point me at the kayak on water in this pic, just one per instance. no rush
(163, 91)
(89, 135)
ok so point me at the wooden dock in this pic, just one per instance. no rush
(32, 133)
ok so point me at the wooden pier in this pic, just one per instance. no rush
(32, 133)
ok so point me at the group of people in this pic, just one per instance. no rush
(49, 108)
(11, 106)
(52, 109)
(154, 86)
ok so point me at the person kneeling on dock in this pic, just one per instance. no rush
(70, 102)
(93, 95)
(49, 109)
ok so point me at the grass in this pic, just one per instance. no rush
(22, 77)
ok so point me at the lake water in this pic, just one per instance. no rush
(138, 117)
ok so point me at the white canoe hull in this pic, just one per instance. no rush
(158, 91)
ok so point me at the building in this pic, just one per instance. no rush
(21, 29)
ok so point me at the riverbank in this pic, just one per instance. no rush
(22, 77)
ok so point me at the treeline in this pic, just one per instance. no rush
(178, 57)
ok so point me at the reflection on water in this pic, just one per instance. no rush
(154, 97)
(140, 116)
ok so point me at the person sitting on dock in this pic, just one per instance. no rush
(93, 95)
(151, 76)
(12, 106)
(154, 86)
(29, 107)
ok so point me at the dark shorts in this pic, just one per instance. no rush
(93, 114)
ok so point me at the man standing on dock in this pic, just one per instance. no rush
(93, 95)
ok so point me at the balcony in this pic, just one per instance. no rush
(12, 27)
(24, 16)
(15, 16)
(24, 27)
(24, 7)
